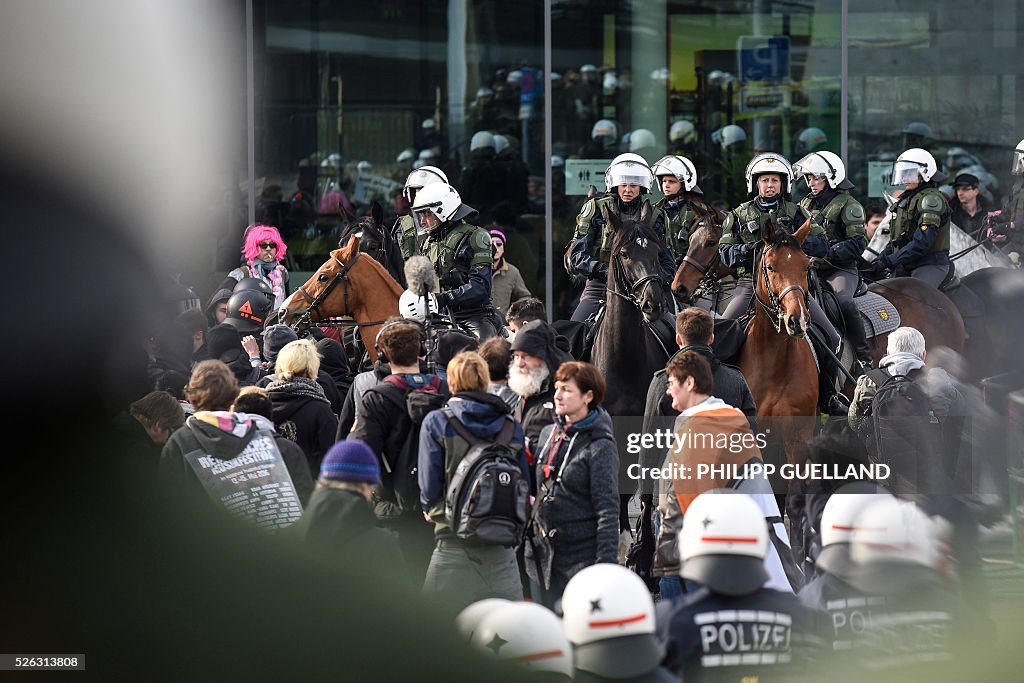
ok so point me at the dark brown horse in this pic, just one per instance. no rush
(374, 239)
(349, 283)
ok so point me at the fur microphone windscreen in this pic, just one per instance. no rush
(419, 273)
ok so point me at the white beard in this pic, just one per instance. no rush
(527, 383)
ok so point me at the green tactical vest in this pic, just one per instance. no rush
(602, 207)
(749, 222)
(679, 226)
(407, 241)
(927, 209)
(842, 217)
(442, 252)
(1015, 204)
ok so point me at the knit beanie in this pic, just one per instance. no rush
(350, 461)
(274, 339)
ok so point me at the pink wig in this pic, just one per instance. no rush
(255, 234)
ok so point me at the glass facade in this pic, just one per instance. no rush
(350, 97)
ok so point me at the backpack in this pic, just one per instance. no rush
(488, 497)
(400, 477)
(904, 433)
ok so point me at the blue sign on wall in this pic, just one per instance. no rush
(763, 58)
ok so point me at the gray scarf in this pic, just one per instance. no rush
(302, 386)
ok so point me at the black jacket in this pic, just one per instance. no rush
(303, 414)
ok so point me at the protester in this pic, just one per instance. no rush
(508, 285)
(498, 354)
(535, 359)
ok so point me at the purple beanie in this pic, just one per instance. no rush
(499, 234)
(350, 461)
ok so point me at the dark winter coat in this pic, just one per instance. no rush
(303, 414)
(326, 382)
(197, 435)
(579, 516)
(342, 523)
(540, 339)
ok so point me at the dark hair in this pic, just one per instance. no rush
(873, 209)
(695, 325)
(400, 342)
(526, 310)
(692, 364)
(193, 320)
(586, 376)
(498, 354)
(212, 386)
(255, 401)
(158, 408)
(173, 382)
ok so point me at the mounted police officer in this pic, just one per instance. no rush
(677, 177)
(405, 232)
(1013, 241)
(461, 254)
(627, 180)
(842, 218)
(769, 181)
(919, 227)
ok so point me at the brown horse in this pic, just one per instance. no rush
(349, 283)
(776, 358)
(920, 305)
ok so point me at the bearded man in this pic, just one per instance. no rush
(537, 351)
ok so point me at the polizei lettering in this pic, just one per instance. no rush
(744, 637)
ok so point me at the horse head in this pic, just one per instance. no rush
(701, 266)
(781, 279)
(635, 273)
(334, 290)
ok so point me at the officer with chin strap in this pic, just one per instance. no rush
(405, 230)
(461, 254)
(628, 180)
(842, 218)
(919, 227)
(677, 177)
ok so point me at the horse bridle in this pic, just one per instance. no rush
(642, 284)
(305, 320)
(774, 311)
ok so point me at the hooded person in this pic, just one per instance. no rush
(339, 518)
(217, 307)
(216, 445)
(450, 344)
(224, 343)
(536, 357)
(335, 362)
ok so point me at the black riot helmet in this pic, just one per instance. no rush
(247, 310)
(256, 284)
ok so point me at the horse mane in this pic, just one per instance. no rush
(630, 229)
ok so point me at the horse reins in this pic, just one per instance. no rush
(775, 311)
(642, 284)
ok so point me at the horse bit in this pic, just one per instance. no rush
(775, 311)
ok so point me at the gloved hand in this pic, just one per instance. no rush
(877, 269)
(600, 272)
(452, 279)
(747, 250)
(443, 300)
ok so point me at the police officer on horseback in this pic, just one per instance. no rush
(842, 218)
(677, 177)
(405, 232)
(919, 227)
(627, 181)
(461, 254)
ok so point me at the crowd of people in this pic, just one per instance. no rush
(483, 467)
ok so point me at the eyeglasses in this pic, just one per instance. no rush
(268, 245)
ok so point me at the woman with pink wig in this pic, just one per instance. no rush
(263, 252)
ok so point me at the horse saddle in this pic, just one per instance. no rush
(877, 313)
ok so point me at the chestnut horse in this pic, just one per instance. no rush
(349, 283)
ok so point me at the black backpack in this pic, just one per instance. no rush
(488, 497)
(400, 477)
(905, 435)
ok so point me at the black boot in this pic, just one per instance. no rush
(855, 333)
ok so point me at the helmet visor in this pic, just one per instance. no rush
(1018, 160)
(427, 218)
(904, 172)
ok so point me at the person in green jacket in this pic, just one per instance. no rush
(405, 232)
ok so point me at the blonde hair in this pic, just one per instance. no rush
(297, 358)
(468, 372)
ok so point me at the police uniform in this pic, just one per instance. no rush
(742, 234)
(406, 236)
(461, 254)
(590, 250)
(1015, 209)
(919, 235)
(842, 218)
(846, 613)
(681, 218)
(763, 636)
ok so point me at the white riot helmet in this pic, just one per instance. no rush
(681, 168)
(605, 131)
(526, 633)
(439, 199)
(682, 132)
(481, 140)
(471, 616)
(484, 92)
(608, 615)
(723, 542)
(809, 140)
(729, 136)
(838, 524)
(423, 175)
(641, 138)
(364, 166)
(415, 307)
(769, 162)
(628, 169)
(500, 144)
(1018, 159)
(895, 545)
(514, 78)
(825, 165)
(407, 155)
(915, 165)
